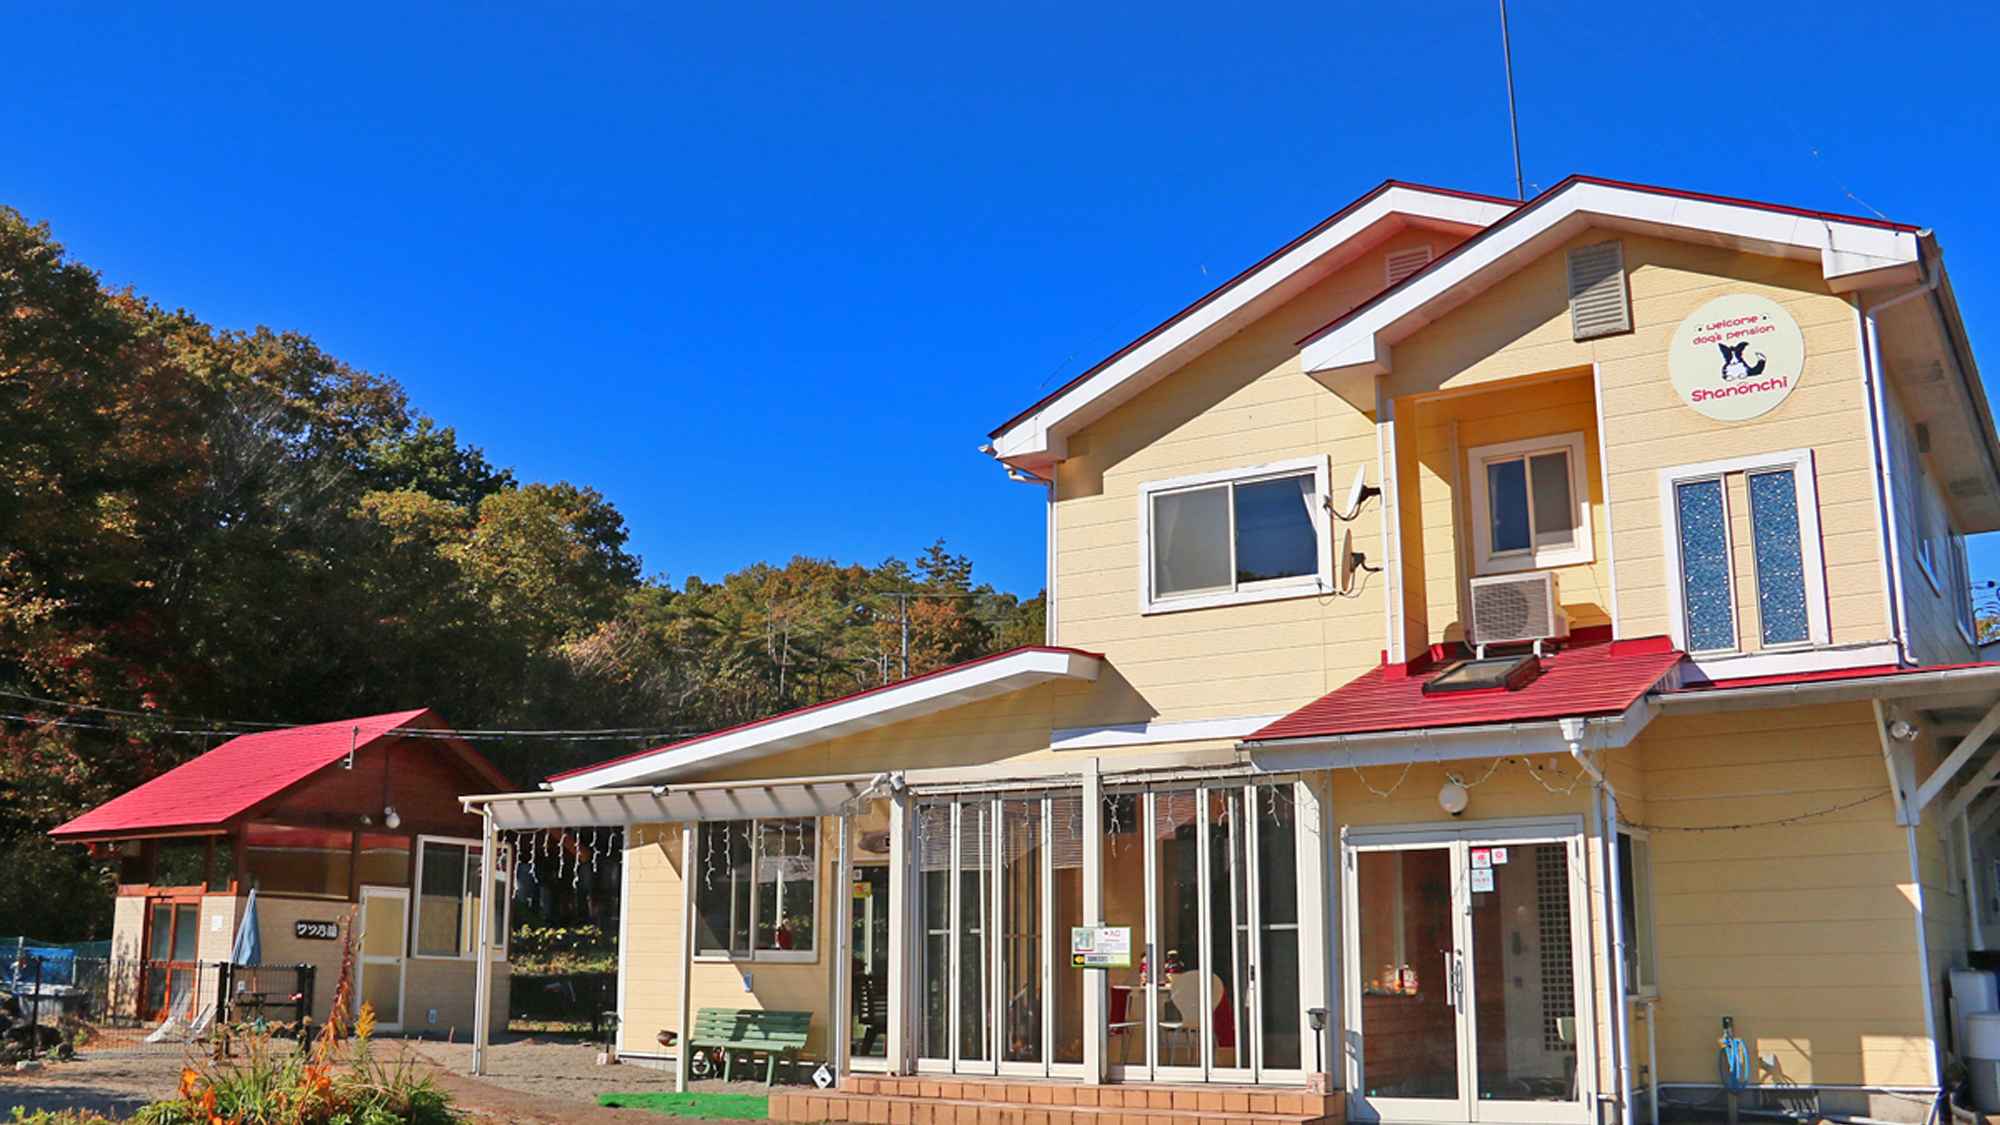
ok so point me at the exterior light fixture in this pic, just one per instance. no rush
(390, 819)
(1902, 731)
(1453, 798)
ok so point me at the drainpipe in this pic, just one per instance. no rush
(1878, 421)
(1620, 1022)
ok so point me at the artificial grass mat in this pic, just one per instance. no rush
(708, 1107)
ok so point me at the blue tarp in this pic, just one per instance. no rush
(249, 947)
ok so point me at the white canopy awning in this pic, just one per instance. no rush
(614, 808)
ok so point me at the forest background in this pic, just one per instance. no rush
(205, 531)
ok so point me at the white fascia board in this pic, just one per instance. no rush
(1149, 734)
(913, 699)
(1931, 688)
(1448, 744)
(1032, 441)
(1849, 254)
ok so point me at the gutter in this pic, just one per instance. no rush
(1860, 689)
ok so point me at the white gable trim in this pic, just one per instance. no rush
(1037, 439)
(1852, 255)
(926, 695)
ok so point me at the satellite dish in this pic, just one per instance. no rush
(1343, 561)
(1358, 493)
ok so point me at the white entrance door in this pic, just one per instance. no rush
(385, 917)
(1467, 982)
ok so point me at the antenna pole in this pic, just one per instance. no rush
(1513, 120)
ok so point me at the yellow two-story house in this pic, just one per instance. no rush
(1497, 652)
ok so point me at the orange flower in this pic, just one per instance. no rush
(189, 1078)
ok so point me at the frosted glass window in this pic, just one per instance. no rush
(1705, 594)
(1781, 573)
(1191, 541)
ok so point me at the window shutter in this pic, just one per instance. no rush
(1598, 302)
(1402, 263)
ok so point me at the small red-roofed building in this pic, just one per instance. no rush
(348, 824)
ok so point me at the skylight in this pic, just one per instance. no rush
(1495, 673)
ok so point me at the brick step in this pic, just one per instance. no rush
(1284, 1101)
(879, 1109)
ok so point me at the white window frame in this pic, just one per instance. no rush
(819, 881)
(501, 882)
(1303, 586)
(1962, 609)
(1647, 956)
(1812, 558)
(1484, 561)
(1928, 522)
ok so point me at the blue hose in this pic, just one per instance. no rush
(1734, 1065)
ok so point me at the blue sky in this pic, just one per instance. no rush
(766, 274)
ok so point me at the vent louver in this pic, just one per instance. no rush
(1402, 263)
(1598, 302)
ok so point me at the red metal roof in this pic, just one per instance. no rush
(1586, 679)
(235, 777)
(878, 689)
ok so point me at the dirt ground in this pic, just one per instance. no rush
(529, 1082)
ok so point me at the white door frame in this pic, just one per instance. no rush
(401, 960)
(1459, 838)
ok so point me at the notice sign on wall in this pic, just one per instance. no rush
(1736, 357)
(316, 931)
(1100, 947)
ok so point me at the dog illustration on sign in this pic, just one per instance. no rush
(1734, 366)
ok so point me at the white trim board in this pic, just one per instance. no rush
(925, 695)
(1347, 355)
(1153, 733)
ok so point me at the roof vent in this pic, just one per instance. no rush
(1513, 608)
(1399, 264)
(1598, 302)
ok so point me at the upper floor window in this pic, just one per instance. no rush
(1743, 538)
(1530, 505)
(1246, 535)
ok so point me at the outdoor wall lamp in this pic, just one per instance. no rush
(390, 818)
(1902, 731)
(1453, 798)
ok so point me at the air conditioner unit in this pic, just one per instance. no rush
(1514, 608)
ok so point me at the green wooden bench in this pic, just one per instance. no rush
(751, 1031)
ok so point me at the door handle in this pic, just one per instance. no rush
(1454, 979)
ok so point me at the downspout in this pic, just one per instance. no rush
(1620, 1022)
(1049, 538)
(1878, 421)
(482, 973)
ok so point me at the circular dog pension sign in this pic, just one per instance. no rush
(1736, 357)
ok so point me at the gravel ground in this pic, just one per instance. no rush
(529, 1081)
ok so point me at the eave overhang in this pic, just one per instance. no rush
(879, 707)
(1036, 439)
(1853, 254)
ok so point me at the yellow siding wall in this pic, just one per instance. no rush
(1806, 933)
(1437, 557)
(1519, 329)
(1245, 402)
(652, 955)
(1929, 602)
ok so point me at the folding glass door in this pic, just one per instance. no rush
(999, 884)
(1206, 878)
(1466, 959)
